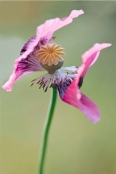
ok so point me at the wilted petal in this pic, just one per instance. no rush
(46, 30)
(90, 56)
(25, 64)
(72, 94)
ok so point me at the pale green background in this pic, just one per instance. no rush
(76, 146)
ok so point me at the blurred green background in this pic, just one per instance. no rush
(75, 144)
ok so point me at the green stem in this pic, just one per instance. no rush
(46, 130)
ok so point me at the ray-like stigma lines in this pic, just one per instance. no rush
(50, 54)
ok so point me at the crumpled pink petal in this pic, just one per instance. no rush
(46, 30)
(90, 56)
(44, 33)
(73, 95)
(21, 69)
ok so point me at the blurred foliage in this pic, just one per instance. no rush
(75, 144)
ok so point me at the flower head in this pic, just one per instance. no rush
(42, 53)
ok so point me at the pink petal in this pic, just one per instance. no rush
(17, 74)
(89, 108)
(73, 96)
(24, 64)
(46, 30)
(80, 101)
(90, 56)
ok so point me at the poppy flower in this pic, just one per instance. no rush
(42, 53)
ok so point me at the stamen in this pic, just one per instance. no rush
(61, 79)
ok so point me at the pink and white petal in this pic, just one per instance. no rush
(46, 30)
(26, 63)
(90, 56)
(72, 94)
(23, 65)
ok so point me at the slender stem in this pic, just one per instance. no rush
(46, 130)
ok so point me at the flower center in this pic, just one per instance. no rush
(62, 78)
(50, 54)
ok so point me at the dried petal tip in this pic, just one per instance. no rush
(50, 57)
(76, 13)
